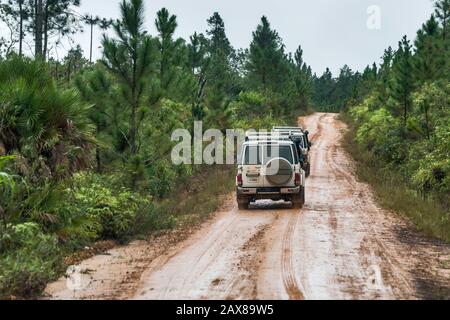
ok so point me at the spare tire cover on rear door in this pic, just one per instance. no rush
(279, 171)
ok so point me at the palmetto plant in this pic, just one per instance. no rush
(39, 122)
(7, 188)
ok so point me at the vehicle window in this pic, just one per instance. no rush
(296, 155)
(272, 152)
(252, 155)
(305, 142)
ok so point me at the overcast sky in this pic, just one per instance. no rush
(331, 32)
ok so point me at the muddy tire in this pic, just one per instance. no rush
(243, 203)
(308, 170)
(243, 206)
(299, 200)
(303, 196)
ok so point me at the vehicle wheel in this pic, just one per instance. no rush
(243, 203)
(299, 200)
(308, 170)
(243, 206)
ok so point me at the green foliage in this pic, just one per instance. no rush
(7, 183)
(45, 126)
(266, 57)
(8, 190)
(421, 151)
(394, 192)
(171, 55)
(130, 59)
(254, 110)
(28, 260)
(428, 60)
(114, 212)
(402, 82)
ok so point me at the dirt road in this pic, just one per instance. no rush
(341, 245)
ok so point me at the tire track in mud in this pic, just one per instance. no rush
(211, 258)
(288, 272)
(244, 284)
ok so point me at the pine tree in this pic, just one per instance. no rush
(96, 87)
(302, 78)
(266, 56)
(345, 87)
(169, 49)
(93, 21)
(129, 58)
(198, 63)
(443, 14)
(50, 18)
(219, 43)
(403, 79)
(220, 76)
(324, 88)
(428, 60)
(16, 12)
(73, 63)
(384, 76)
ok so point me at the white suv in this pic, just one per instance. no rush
(269, 168)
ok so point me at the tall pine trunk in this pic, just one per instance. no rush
(45, 31)
(92, 36)
(134, 106)
(20, 28)
(39, 19)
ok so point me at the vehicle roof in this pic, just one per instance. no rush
(269, 142)
(284, 127)
(288, 128)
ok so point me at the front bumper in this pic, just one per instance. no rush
(268, 191)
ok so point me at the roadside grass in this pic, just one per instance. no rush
(429, 214)
(196, 199)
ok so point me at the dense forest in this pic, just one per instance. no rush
(85, 145)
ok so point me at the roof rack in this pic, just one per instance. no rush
(267, 136)
(288, 129)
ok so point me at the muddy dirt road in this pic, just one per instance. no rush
(341, 245)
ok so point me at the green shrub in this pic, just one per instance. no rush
(29, 259)
(162, 176)
(55, 208)
(414, 154)
(47, 126)
(119, 211)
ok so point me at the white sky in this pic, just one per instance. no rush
(331, 32)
